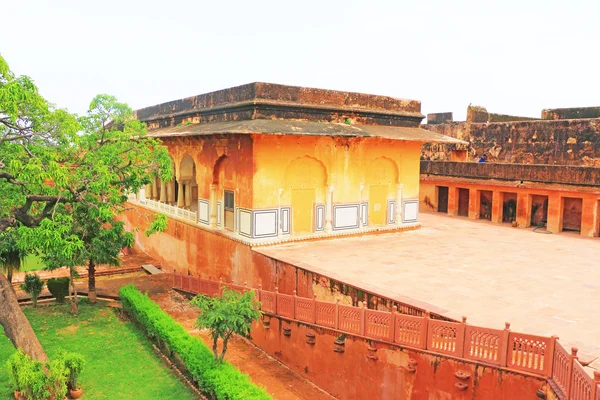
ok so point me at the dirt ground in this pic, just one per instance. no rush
(281, 382)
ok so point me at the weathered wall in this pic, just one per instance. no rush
(348, 164)
(206, 151)
(565, 142)
(439, 118)
(371, 370)
(571, 113)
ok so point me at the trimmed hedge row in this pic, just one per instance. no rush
(219, 380)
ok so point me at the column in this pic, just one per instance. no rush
(523, 209)
(280, 225)
(154, 190)
(142, 194)
(163, 192)
(188, 195)
(452, 201)
(496, 206)
(213, 205)
(589, 217)
(170, 191)
(180, 201)
(554, 213)
(474, 203)
(149, 190)
(398, 215)
(329, 210)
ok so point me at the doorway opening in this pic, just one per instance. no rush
(442, 195)
(485, 204)
(463, 202)
(509, 207)
(571, 216)
(539, 210)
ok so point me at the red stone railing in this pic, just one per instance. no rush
(519, 352)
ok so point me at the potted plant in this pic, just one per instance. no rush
(33, 286)
(74, 363)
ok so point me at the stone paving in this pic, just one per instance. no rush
(542, 284)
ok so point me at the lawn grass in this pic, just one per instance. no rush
(120, 361)
(32, 263)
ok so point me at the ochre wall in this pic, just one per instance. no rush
(206, 151)
(353, 375)
(345, 160)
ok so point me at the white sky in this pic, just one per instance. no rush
(513, 57)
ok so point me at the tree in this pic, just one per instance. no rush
(51, 161)
(33, 286)
(232, 312)
(11, 256)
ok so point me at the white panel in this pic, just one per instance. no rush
(411, 211)
(265, 223)
(345, 216)
(246, 223)
(285, 220)
(391, 211)
(320, 223)
(203, 211)
(364, 213)
(219, 213)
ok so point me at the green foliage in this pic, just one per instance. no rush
(232, 312)
(33, 286)
(11, 255)
(28, 377)
(218, 380)
(73, 363)
(59, 288)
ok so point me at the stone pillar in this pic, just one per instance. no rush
(180, 201)
(399, 193)
(452, 201)
(554, 213)
(213, 205)
(474, 203)
(496, 206)
(280, 225)
(149, 191)
(163, 192)
(142, 194)
(523, 209)
(188, 195)
(329, 210)
(170, 191)
(154, 190)
(589, 217)
(360, 219)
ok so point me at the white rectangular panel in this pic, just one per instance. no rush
(345, 216)
(203, 211)
(265, 223)
(411, 211)
(245, 223)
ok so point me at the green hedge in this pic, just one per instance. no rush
(220, 380)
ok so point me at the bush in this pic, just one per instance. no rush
(33, 286)
(220, 380)
(59, 288)
(74, 363)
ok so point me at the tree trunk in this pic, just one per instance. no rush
(215, 352)
(92, 281)
(10, 273)
(224, 349)
(73, 291)
(15, 324)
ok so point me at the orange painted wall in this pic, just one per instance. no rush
(345, 160)
(206, 150)
(352, 375)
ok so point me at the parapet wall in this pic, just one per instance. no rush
(561, 142)
(571, 113)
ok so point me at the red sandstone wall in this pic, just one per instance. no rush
(353, 375)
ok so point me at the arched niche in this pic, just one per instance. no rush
(188, 187)
(305, 184)
(380, 182)
(224, 186)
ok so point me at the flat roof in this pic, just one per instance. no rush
(304, 128)
(542, 284)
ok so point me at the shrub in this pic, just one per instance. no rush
(33, 286)
(59, 287)
(74, 363)
(220, 380)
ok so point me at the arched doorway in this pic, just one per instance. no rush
(224, 183)
(381, 180)
(188, 188)
(305, 186)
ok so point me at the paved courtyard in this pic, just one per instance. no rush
(541, 283)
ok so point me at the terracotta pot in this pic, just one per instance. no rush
(76, 394)
(18, 395)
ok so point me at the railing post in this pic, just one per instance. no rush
(174, 278)
(504, 355)
(258, 294)
(276, 300)
(463, 340)
(572, 359)
(550, 351)
(314, 309)
(393, 324)
(425, 330)
(363, 322)
(294, 305)
(337, 313)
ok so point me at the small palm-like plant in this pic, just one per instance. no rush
(74, 362)
(33, 286)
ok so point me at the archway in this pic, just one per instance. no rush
(305, 185)
(225, 190)
(187, 196)
(381, 180)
